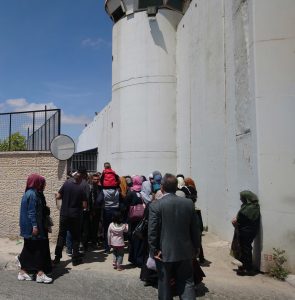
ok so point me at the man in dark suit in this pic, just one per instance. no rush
(173, 236)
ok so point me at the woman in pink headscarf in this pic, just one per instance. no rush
(35, 256)
(133, 199)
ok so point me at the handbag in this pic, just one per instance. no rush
(140, 230)
(136, 212)
(151, 264)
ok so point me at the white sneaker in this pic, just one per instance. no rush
(24, 276)
(43, 278)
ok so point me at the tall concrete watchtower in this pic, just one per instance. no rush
(144, 83)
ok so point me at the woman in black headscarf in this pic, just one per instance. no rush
(246, 226)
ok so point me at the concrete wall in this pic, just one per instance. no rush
(136, 131)
(235, 113)
(235, 88)
(216, 123)
(15, 168)
(274, 44)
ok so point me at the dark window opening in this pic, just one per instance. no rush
(175, 4)
(118, 14)
(142, 4)
(87, 159)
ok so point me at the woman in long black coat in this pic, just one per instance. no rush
(133, 198)
(246, 226)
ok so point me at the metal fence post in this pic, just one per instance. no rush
(45, 127)
(9, 145)
(33, 135)
(59, 117)
(28, 136)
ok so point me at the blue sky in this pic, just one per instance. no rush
(56, 53)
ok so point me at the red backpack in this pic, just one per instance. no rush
(110, 178)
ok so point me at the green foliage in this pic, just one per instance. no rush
(18, 143)
(278, 270)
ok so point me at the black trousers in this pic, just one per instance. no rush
(85, 229)
(95, 218)
(74, 226)
(182, 272)
(246, 239)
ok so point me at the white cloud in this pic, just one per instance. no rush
(74, 120)
(21, 104)
(95, 43)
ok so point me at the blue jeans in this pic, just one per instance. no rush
(118, 254)
(69, 243)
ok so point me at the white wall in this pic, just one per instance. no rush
(137, 131)
(215, 107)
(233, 122)
(143, 97)
(235, 112)
(275, 104)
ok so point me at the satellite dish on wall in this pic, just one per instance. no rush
(62, 147)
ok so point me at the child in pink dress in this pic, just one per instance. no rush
(116, 239)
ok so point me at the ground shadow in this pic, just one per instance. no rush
(205, 263)
(201, 290)
(61, 269)
(129, 266)
(94, 256)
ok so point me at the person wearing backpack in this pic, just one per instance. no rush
(110, 182)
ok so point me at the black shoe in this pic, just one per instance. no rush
(251, 272)
(77, 262)
(241, 272)
(56, 261)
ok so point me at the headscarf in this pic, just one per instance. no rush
(189, 182)
(181, 183)
(250, 208)
(123, 186)
(128, 181)
(156, 173)
(35, 181)
(156, 186)
(137, 182)
(146, 191)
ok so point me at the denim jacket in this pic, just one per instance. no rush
(31, 214)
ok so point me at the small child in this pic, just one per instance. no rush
(116, 239)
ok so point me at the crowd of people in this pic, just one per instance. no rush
(155, 218)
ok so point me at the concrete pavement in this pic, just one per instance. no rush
(96, 279)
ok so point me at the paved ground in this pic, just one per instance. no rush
(96, 279)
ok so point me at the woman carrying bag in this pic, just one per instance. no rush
(136, 210)
(34, 227)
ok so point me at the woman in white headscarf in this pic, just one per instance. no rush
(146, 192)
